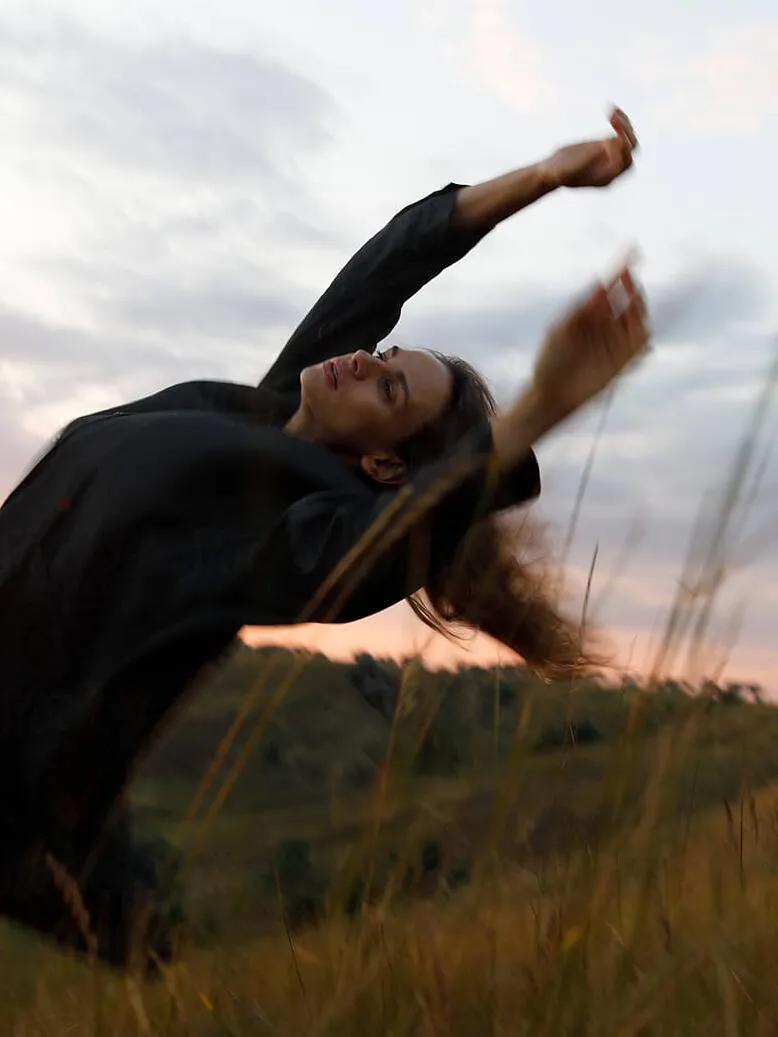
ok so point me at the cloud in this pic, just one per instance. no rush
(54, 352)
(176, 109)
(673, 429)
(179, 169)
(711, 298)
(507, 59)
(706, 306)
(18, 445)
(669, 499)
(216, 309)
(164, 162)
(189, 304)
(726, 84)
(53, 373)
(670, 437)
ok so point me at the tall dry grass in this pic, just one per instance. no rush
(665, 926)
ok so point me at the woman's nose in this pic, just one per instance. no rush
(361, 363)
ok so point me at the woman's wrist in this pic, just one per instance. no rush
(516, 429)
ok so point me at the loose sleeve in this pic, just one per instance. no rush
(351, 556)
(364, 302)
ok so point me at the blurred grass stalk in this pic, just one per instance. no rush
(710, 555)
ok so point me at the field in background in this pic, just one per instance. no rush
(386, 851)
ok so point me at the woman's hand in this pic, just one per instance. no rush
(592, 164)
(595, 163)
(591, 345)
(583, 354)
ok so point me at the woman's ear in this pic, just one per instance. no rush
(384, 468)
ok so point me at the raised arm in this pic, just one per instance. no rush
(364, 302)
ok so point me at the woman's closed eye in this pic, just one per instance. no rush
(386, 385)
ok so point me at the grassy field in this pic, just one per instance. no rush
(487, 856)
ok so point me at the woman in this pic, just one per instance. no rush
(150, 534)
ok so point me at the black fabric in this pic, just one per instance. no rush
(149, 534)
(117, 905)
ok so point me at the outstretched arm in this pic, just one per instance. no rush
(364, 302)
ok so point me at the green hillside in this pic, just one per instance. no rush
(381, 851)
(356, 766)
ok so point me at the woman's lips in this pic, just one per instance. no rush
(331, 373)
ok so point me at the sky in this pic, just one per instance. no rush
(179, 183)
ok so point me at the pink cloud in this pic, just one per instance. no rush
(729, 85)
(499, 54)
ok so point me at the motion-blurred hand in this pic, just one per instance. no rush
(591, 345)
(595, 163)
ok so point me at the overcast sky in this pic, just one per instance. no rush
(178, 185)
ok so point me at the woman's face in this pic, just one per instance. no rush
(366, 403)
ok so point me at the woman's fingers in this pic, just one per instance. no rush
(624, 328)
(626, 139)
(615, 313)
(621, 292)
(634, 333)
(623, 127)
(624, 292)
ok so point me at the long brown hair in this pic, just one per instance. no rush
(499, 582)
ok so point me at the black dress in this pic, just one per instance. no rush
(150, 534)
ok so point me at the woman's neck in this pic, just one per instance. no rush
(301, 425)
